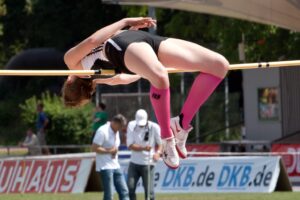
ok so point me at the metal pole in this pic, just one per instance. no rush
(151, 13)
(242, 58)
(149, 162)
(197, 128)
(226, 107)
(182, 87)
(97, 95)
(139, 84)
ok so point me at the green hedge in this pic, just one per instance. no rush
(68, 126)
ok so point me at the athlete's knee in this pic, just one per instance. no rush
(222, 65)
(161, 79)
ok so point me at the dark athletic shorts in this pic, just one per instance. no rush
(115, 47)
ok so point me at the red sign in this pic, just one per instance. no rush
(70, 175)
(6, 174)
(44, 175)
(36, 176)
(20, 176)
(292, 159)
(202, 148)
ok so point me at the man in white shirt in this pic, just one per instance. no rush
(142, 138)
(106, 143)
(32, 143)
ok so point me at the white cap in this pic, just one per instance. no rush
(141, 117)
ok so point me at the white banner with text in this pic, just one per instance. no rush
(70, 174)
(216, 174)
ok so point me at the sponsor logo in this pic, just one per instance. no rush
(30, 176)
(231, 176)
(155, 96)
(240, 176)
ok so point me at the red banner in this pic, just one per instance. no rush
(202, 148)
(42, 175)
(291, 160)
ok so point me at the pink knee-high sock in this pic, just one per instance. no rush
(160, 100)
(202, 88)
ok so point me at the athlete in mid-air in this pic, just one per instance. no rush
(134, 54)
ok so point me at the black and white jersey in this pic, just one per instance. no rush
(96, 60)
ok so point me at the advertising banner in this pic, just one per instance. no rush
(291, 161)
(217, 174)
(70, 174)
(194, 148)
(45, 174)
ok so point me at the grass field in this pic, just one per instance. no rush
(98, 196)
(14, 151)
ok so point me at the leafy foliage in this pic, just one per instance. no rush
(68, 126)
(50, 23)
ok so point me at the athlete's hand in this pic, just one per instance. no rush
(71, 78)
(119, 79)
(136, 23)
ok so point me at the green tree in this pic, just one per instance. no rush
(68, 126)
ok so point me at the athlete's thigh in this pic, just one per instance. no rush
(182, 54)
(142, 60)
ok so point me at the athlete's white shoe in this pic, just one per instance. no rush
(169, 153)
(181, 136)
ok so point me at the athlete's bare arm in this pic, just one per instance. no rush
(73, 57)
(120, 79)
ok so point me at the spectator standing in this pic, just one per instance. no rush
(41, 124)
(106, 143)
(142, 138)
(32, 143)
(99, 118)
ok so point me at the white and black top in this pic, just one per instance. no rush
(97, 59)
(143, 136)
(111, 54)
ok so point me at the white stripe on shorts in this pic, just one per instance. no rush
(114, 44)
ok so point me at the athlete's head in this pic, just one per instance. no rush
(77, 91)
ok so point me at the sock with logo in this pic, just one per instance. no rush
(160, 100)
